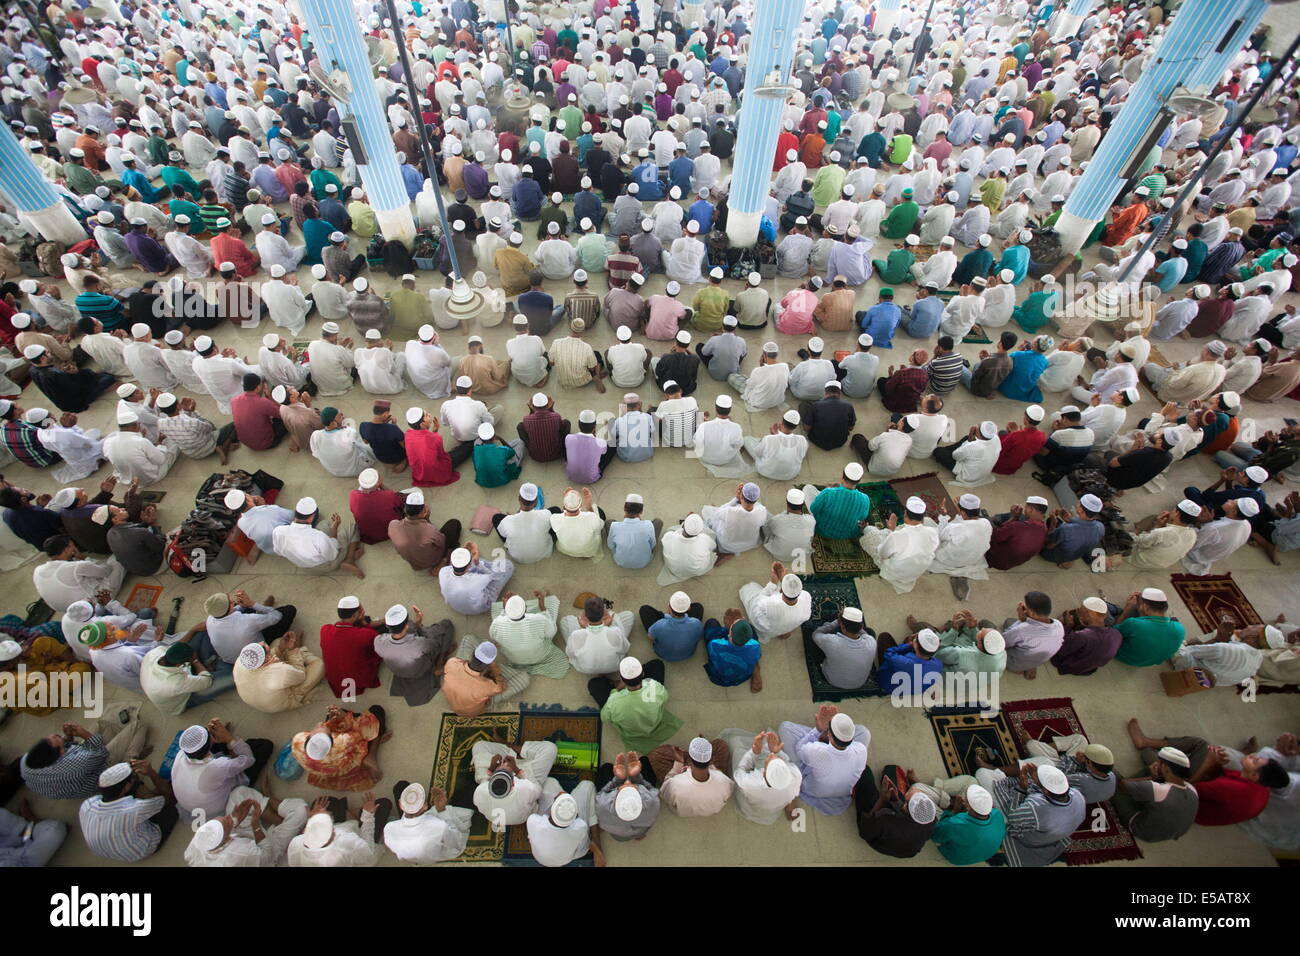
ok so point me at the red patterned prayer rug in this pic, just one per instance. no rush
(928, 488)
(1101, 838)
(1210, 596)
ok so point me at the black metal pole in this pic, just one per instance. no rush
(911, 68)
(1218, 148)
(430, 164)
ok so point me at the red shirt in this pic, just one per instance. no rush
(1014, 543)
(373, 510)
(1017, 448)
(784, 143)
(1229, 798)
(349, 655)
(252, 414)
(430, 463)
(227, 248)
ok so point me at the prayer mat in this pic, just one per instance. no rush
(1211, 596)
(964, 732)
(830, 595)
(1101, 838)
(884, 501)
(143, 596)
(576, 733)
(844, 555)
(928, 488)
(453, 770)
(977, 336)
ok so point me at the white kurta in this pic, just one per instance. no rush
(717, 445)
(222, 377)
(277, 368)
(683, 261)
(765, 386)
(135, 456)
(145, 360)
(81, 451)
(1214, 542)
(342, 451)
(380, 370)
(769, 614)
(331, 367)
(902, 555)
(963, 542)
(429, 368)
(276, 251)
(686, 557)
(780, 456)
(973, 461)
(193, 255)
(735, 529)
(285, 304)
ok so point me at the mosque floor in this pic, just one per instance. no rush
(672, 485)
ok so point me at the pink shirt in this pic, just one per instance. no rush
(665, 312)
(797, 312)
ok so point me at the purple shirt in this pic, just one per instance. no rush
(476, 182)
(148, 252)
(582, 454)
(264, 178)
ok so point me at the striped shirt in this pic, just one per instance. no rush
(193, 435)
(97, 305)
(945, 372)
(121, 829)
(543, 430)
(20, 438)
(235, 190)
(621, 266)
(583, 304)
(74, 776)
(213, 213)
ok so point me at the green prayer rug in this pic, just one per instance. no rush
(830, 595)
(453, 771)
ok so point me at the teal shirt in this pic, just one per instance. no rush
(175, 176)
(1148, 640)
(495, 465)
(838, 511)
(964, 840)
(317, 234)
(320, 178)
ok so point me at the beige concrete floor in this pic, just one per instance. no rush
(672, 485)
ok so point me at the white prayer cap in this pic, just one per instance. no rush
(921, 808)
(396, 615)
(994, 642)
(460, 558)
(816, 344)
(411, 798)
(791, 586)
(464, 382)
(564, 810)
(969, 501)
(1257, 474)
(63, 497)
(252, 656)
(700, 750)
(629, 668)
(928, 640)
(203, 343)
(842, 728)
(1174, 756)
(528, 491)
(915, 505)
(361, 283)
(692, 524)
(571, 501)
(277, 271)
(673, 287)
(319, 271)
(587, 417)
(1053, 780)
(1189, 507)
(1091, 503)
(33, 352)
(414, 416)
(624, 333)
(1248, 507)
(515, 607)
(126, 390)
(415, 498)
(127, 417)
(306, 506)
(368, 478)
(329, 328)
(349, 602)
(683, 337)
(627, 803)
(1230, 399)
(486, 652)
(209, 836)
(680, 602)
(988, 429)
(1035, 413)
(755, 278)
(486, 432)
(853, 471)
(112, 775)
(1201, 291)
(29, 286)
(1036, 500)
(319, 829)
(985, 239)
(979, 799)
(234, 499)
(716, 272)
(1274, 637)
(193, 739)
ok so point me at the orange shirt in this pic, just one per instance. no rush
(468, 692)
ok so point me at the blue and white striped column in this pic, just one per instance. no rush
(1187, 50)
(336, 35)
(886, 16)
(1072, 16)
(37, 204)
(1206, 76)
(771, 50)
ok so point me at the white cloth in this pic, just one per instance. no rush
(963, 542)
(769, 614)
(341, 451)
(429, 368)
(903, 554)
(597, 649)
(1214, 542)
(380, 370)
(133, 456)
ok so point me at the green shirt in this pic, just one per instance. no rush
(959, 652)
(175, 176)
(900, 221)
(964, 840)
(898, 267)
(710, 305)
(641, 715)
(838, 511)
(320, 178)
(80, 179)
(900, 147)
(495, 465)
(827, 185)
(1148, 640)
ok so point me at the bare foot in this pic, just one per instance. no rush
(1066, 565)
(790, 811)
(1135, 734)
(1030, 674)
(913, 624)
(352, 569)
(755, 684)
(785, 636)
(222, 454)
(723, 559)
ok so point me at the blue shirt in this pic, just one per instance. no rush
(701, 211)
(646, 177)
(964, 840)
(1171, 272)
(851, 260)
(413, 179)
(680, 171)
(902, 670)
(1022, 383)
(880, 322)
(1072, 540)
(633, 434)
(729, 664)
(632, 542)
(926, 316)
(1017, 260)
(675, 638)
(526, 199)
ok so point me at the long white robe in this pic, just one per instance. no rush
(135, 456)
(145, 360)
(973, 461)
(276, 368)
(683, 261)
(222, 377)
(429, 368)
(735, 529)
(194, 256)
(963, 542)
(342, 451)
(718, 442)
(380, 370)
(276, 251)
(902, 555)
(81, 450)
(285, 304)
(1214, 542)
(331, 367)
(686, 557)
